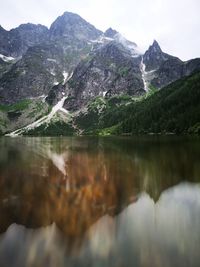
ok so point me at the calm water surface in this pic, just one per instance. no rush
(103, 202)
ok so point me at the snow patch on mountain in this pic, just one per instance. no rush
(143, 67)
(147, 76)
(51, 60)
(53, 72)
(6, 59)
(102, 40)
(66, 76)
(104, 93)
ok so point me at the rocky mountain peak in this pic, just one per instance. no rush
(15, 42)
(73, 26)
(154, 50)
(114, 50)
(154, 57)
(110, 33)
(31, 27)
(2, 29)
(155, 47)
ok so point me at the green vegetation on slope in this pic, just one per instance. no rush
(102, 114)
(22, 113)
(52, 129)
(174, 109)
(21, 105)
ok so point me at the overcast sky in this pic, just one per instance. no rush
(175, 24)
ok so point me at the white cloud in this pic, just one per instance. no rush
(175, 24)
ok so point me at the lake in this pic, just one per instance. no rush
(103, 202)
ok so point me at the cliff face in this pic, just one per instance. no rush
(164, 69)
(109, 71)
(15, 42)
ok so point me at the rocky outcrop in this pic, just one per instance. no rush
(16, 41)
(48, 63)
(154, 57)
(55, 94)
(110, 33)
(164, 69)
(109, 71)
(71, 25)
(4, 67)
(33, 75)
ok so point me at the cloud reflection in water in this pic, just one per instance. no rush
(165, 233)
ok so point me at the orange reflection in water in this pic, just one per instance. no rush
(90, 186)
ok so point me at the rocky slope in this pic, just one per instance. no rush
(15, 42)
(173, 110)
(76, 63)
(109, 71)
(162, 69)
(72, 26)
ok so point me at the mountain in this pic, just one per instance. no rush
(162, 69)
(71, 25)
(110, 33)
(175, 109)
(15, 42)
(60, 72)
(109, 71)
(154, 57)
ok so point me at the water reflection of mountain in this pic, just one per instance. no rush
(143, 234)
(71, 185)
(75, 181)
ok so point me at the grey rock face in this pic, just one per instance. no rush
(191, 66)
(73, 26)
(154, 57)
(109, 71)
(55, 94)
(40, 68)
(33, 75)
(4, 67)
(169, 71)
(16, 41)
(4, 41)
(110, 33)
(173, 70)
(166, 68)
